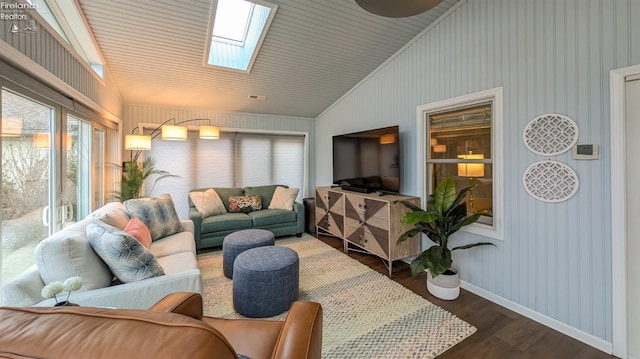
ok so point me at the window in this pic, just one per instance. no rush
(47, 176)
(236, 159)
(237, 31)
(462, 139)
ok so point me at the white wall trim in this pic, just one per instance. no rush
(540, 318)
(497, 138)
(618, 210)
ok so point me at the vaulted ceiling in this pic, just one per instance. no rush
(314, 52)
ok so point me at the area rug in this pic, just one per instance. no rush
(366, 315)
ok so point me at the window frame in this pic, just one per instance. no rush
(495, 97)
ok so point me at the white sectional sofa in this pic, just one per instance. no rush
(68, 253)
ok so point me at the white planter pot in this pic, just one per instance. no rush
(444, 286)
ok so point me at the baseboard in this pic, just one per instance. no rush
(541, 318)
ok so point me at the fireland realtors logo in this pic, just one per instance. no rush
(15, 13)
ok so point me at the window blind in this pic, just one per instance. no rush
(236, 159)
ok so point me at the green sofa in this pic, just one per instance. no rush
(210, 231)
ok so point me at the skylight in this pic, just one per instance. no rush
(237, 32)
(232, 20)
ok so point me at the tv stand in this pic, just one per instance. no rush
(355, 188)
(366, 222)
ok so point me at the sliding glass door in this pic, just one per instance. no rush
(28, 188)
(52, 175)
(76, 203)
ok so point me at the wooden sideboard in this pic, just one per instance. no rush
(366, 222)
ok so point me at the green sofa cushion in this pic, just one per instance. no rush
(267, 217)
(265, 191)
(226, 221)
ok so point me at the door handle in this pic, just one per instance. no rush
(45, 216)
(66, 213)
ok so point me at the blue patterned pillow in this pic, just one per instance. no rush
(158, 214)
(127, 259)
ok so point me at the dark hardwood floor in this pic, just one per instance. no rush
(501, 333)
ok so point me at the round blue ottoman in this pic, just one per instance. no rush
(265, 281)
(240, 241)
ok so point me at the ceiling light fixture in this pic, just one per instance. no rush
(397, 8)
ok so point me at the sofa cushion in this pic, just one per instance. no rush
(139, 231)
(126, 257)
(265, 191)
(176, 243)
(178, 262)
(113, 213)
(208, 203)
(68, 253)
(225, 222)
(283, 198)
(245, 204)
(158, 214)
(226, 192)
(272, 216)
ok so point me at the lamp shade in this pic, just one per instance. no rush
(209, 132)
(170, 132)
(471, 169)
(11, 127)
(137, 142)
(440, 148)
(387, 138)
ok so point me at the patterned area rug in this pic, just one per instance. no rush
(366, 315)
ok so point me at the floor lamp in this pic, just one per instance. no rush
(471, 170)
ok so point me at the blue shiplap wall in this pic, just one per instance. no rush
(550, 56)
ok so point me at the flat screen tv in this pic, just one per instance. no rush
(368, 161)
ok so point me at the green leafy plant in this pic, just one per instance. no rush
(445, 214)
(134, 174)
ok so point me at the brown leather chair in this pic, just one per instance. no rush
(173, 328)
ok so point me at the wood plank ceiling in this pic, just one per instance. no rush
(314, 52)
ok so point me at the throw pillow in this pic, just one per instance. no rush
(158, 214)
(113, 213)
(208, 203)
(245, 204)
(283, 198)
(139, 231)
(68, 254)
(127, 258)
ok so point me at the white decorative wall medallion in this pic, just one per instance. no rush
(550, 134)
(550, 181)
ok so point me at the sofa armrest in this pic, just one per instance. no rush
(187, 225)
(185, 303)
(301, 335)
(23, 290)
(300, 216)
(196, 217)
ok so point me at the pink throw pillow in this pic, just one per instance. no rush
(139, 231)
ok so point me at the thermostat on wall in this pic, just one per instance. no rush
(586, 152)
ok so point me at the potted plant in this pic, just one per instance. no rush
(134, 174)
(445, 214)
